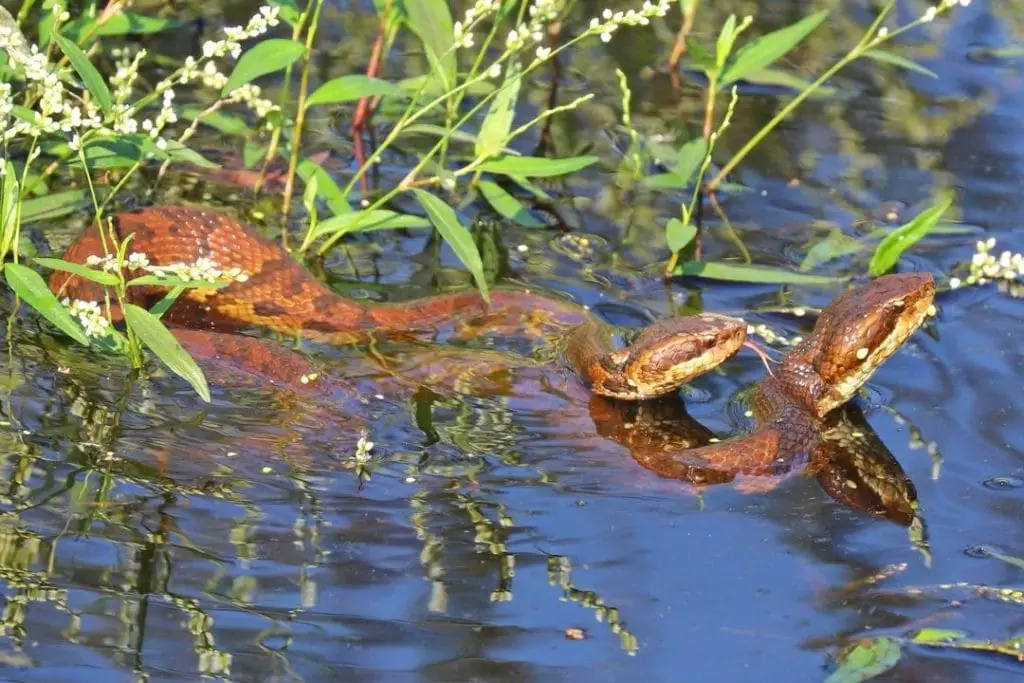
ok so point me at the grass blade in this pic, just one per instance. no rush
(166, 347)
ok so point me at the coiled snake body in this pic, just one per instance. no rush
(852, 338)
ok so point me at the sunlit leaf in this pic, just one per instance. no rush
(498, 122)
(456, 235)
(365, 221)
(353, 87)
(665, 181)
(836, 245)
(536, 167)
(177, 151)
(897, 60)
(266, 57)
(92, 79)
(10, 193)
(737, 272)
(869, 658)
(902, 238)
(432, 86)
(679, 234)
(771, 76)
(507, 205)
(765, 50)
(166, 347)
(326, 187)
(431, 20)
(31, 287)
(100, 276)
(726, 39)
(932, 636)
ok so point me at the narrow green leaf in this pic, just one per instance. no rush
(737, 272)
(765, 50)
(665, 181)
(431, 20)
(536, 167)
(771, 76)
(902, 238)
(179, 152)
(10, 194)
(54, 205)
(726, 39)
(162, 343)
(364, 221)
(456, 235)
(498, 122)
(440, 131)
(100, 276)
(264, 58)
(507, 205)
(31, 287)
(90, 76)
(836, 245)
(869, 658)
(689, 159)
(169, 281)
(887, 57)
(679, 234)
(120, 24)
(352, 87)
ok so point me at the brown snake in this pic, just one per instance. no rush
(859, 330)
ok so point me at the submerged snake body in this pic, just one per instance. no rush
(280, 295)
(852, 338)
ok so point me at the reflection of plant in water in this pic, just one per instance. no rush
(560, 574)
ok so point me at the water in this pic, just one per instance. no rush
(147, 534)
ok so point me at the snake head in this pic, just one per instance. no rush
(865, 325)
(672, 351)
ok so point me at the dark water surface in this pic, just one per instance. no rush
(143, 533)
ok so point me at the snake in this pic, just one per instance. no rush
(851, 339)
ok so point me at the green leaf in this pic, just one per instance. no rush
(933, 636)
(10, 193)
(440, 131)
(54, 205)
(264, 58)
(665, 181)
(120, 24)
(777, 77)
(535, 167)
(737, 272)
(507, 205)
(90, 76)
(31, 287)
(100, 276)
(229, 124)
(179, 152)
(836, 245)
(162, 343)
(456, 235)
(431, 20)
(432, 86)
(679, 234)
(902, 238)
(498, 122)
(869, 658)
(726, 38)
(290, 11)
(326, 188)
(887, 57)
(364, 221)
(765, 50)
(689, 159)
(352, 87)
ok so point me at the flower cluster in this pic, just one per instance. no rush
(986, 266)
(211, 77)
(89, 314)
(463, 30)
(612, 21)
(260, 23)
(202, 270)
